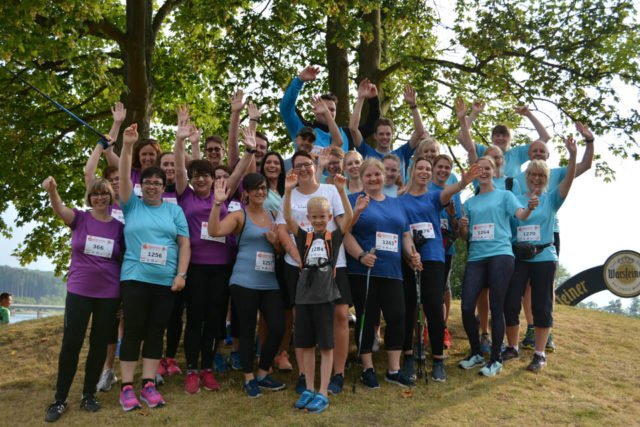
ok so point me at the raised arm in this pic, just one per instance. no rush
(587, 157)
(129, 138)
(523, 110)
(345, 220)
(364, 88)
(237, 105)
(288, 101)
(465, 134)
(320, 109)
(289, 184)
(185, 131)
(194, 138)
(254, 116)
(119, 113)
(92, 162)
(476, 109)
(565, 184)
(231, 223)
(466, 178)
(245, 163)
(64, 213)
(410, 97)
(323, 161)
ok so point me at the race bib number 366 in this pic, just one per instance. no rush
(483, 232)
(153, 254)
(98, 246)
(386, 242)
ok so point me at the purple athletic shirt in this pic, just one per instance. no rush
(204, 249)
(95, 256)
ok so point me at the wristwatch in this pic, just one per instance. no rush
(183, 275)
(362, 254)
(251, 150)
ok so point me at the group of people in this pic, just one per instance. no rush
(270, 243)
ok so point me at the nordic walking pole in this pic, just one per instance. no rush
(372, 251)
(418, 278)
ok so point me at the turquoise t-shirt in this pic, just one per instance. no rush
(555, 178)
(273, 202)
(514, 158)
(538, 228)
(150, 235)
(489, 223)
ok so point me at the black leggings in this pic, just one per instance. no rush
(386, 294)
(496, 271)
(247, 302)
(431, 293)
(206, 300)
(77, 311)
(147, 308)
(541, 275)
(174, 328)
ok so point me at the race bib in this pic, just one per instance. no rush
(204, 234)
(170, 200)
(137, 190)
(153, 254)
(234, 206)
(444, 223)
(318, 250)
(117, 215)
(316, 150)
(529, 233)
(265, 261)
(386, 242)
(306, 226)
(426, 228)
(98, 246)
(483, 232)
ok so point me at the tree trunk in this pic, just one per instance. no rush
(338, 70)
(369, 55)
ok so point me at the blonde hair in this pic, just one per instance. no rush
(99, 185)
(499, 151)
(540, 166)
(371, 162)
(351, 153)
(318, 203)
(490, 160)
(424, 144)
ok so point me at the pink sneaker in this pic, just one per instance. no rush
(209, 381)
(151, 396)
(172, 367)
(192, 382)
(128, 399)
(162, 368)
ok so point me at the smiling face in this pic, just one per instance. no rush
(257, 195)
(261, 150)
(201, 183)
(486, 171)
(422, 172)
(538, 151)
(319, 217)
(334, 166)
(391, 171)
(214, 152)
(305, 142)
(114, 180)
(352, 164)
(537, 175)
(497, 157)
(383, 136)
(147, 156)
(372, 179)
(221, 174)
(152, 189)
(272, 168)
(442, 172)
(168, 165)
(305, 168)
(501, 139)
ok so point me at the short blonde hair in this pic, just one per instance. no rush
(538, 166)
(99, 185)
(351, 153)
(423, 144)
(371, 162)
(319, 203)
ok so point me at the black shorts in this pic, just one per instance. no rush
(314, 326)
(288, 286)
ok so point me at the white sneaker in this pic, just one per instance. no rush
(491, 369)
(107, 380)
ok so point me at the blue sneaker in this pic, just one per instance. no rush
(491, 369)
(485, 344)
(336, 384)
(268, 383)
(369, 379)
(305, 398)
(234, 361)
(219, 364)
(301, 385)
(472, 361)
(318, 404)
(252, 389)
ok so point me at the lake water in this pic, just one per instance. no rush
(21, 317)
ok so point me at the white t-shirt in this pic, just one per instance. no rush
(299, 211)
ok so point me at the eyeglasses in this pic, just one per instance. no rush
(213, 149)
(153, 183)
(104, 194)
(301, 166)
(260, 188)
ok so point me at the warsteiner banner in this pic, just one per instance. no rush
(620, 274)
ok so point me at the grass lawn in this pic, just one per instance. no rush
(592, 379)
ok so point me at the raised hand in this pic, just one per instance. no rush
(584, 131)
(254, 111)
(410, 95)
(477, 107)
(119, 112)
(460, 107)
(248, 138)
(220, 191)
(185, 128)
(323, 158)
(49, 184)
(523, 110)
(309, 73)
(319, 107)
(339, 181)
(130, 135)
(373, 91)
(472, 173)
(183, 113)
(571, 145)
(237, 104)
(291, 181)
(271, 235)
(363, 88)
(533, 202)
(464, 222)
(361, 203)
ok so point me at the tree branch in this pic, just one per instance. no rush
(168, 7)
(106, 30)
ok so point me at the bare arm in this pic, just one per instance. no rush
(465, 179)
(119, 114)
(587, 157)
(129, 138)
(523, 213)
(231, 223)
(64, 213)
(237, 104)
(565, 185)
(92, 164)
(344, 221)
(290, 183)
(185, 130)
(409, 251)
(410, 97)
(465, 134)
(543, 135)
(320, 109)
(354, 123)
(184, 255)
(245, 163)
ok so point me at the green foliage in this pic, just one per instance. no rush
(32, 286)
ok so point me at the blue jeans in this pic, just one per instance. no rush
(496, 271)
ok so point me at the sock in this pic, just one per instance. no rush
(516, 347)
(392, 372)
(260, 377)
(124, 385)
(540, 353)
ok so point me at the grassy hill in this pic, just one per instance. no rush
(592, 379)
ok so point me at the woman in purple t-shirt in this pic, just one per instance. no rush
(93, 289)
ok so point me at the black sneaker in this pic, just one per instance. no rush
(538, 362)
(336, 384)
(399, 379)
(55, 411)
(510, 353)
(90, 404)
(301, 385)
(369, 378)
(408, 367)
(439, 374)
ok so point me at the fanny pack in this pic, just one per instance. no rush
(524, 251)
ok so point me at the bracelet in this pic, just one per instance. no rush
(251, 150)
(217, 204)
(254, 120)
(589, 141)
(413, 107)
(362, 255)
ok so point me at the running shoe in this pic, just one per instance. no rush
(55, 411)
(208, 380)
(234, 361)
(539, 361)
(491, 369)
(399, 379)
(336, 384)
(268, 383)
(252, 389)
(510, 353)
(172, 367)
(305, 398)
(318, 404)
(301, 385)
(529, 341)
(162, 368)
(550, 346)
(369, 378)
(191, 382)
(128, 399)
(282, 362)
(471, 361)
(439, 374)
(150, 395)
(408, 367)
(220, 364)
(107, 380)
(448, 341)
(89, 403)
(485, 344)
